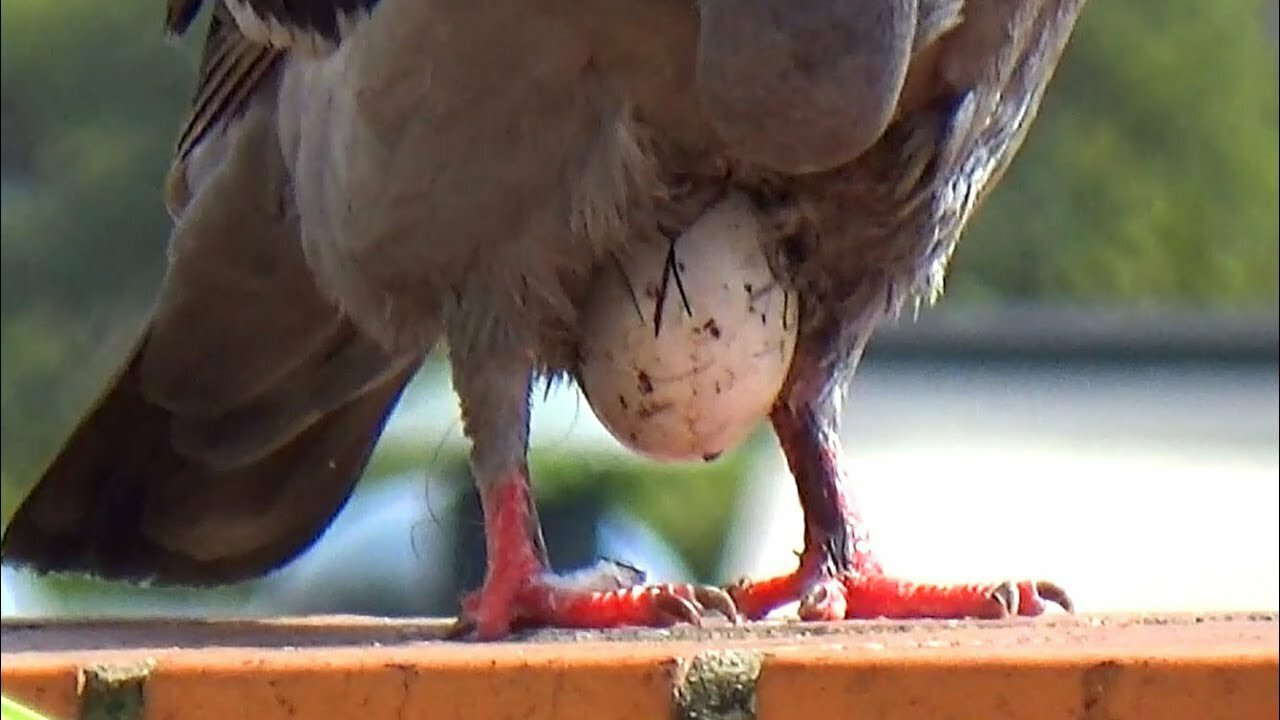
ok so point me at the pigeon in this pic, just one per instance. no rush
(359, 182)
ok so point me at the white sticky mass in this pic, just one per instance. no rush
(696, 381)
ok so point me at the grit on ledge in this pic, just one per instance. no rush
(1060, 635)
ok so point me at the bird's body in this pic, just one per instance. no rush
(358, 182)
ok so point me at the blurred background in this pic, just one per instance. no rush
(1094, 401)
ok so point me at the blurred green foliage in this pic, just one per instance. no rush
(1150, 178)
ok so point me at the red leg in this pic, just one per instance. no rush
(839, 576)
(519, 590)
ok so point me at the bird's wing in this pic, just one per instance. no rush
(961, 124)
(246, 38)
(250, 404)
(231, 66)
(1002, 62)
(970, 98)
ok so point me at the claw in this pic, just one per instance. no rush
(461, 628)
(1008, 597)
(815, 598)
(676, 609)
(1011, 597)
(823, 602)
(713, 598)
(1054, 594)
(817, 595)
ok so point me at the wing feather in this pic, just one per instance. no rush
(231, 69)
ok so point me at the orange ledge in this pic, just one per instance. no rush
(1113, 667)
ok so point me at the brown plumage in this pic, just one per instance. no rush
(358, 181)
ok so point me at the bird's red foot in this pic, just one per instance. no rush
(607, 596)
(850, 594)
(519, 590)
(839, 577)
